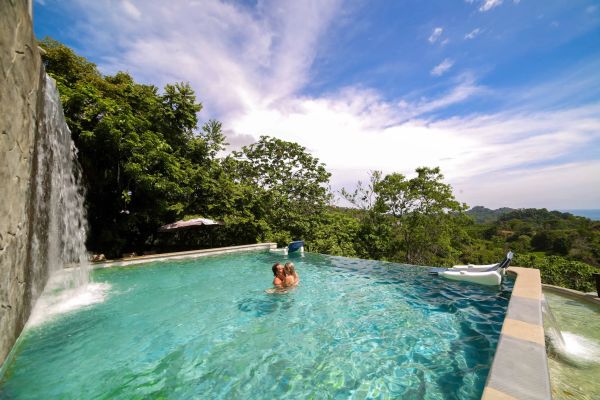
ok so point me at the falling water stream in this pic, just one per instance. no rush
(552, 329)
(58, 256)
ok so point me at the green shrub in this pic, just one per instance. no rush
(559, 271)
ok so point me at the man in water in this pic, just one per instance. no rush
(279, 273)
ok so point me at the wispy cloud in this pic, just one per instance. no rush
(435, 35)
(474, 33)
(131, 10)
(489, 4)
(563, 186)
(234, 56)
(442, 67)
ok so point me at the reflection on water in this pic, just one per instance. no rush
(574, 366)
(266, 305)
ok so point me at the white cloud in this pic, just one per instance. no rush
(131, 10)
(568, 185)
(474, 33)
(233, 55)
(435, 35)
(469, 150)
(489, 4)
(442, 67)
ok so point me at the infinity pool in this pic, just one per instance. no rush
(206, 328)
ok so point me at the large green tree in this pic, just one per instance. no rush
(413, 220)
(285, 187)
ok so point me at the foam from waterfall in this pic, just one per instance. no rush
(570, 347)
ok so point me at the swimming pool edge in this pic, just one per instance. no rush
(520, 366)
(184, 254)
(587, 297)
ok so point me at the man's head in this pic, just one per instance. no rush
(278, 270)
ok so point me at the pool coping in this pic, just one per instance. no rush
(520, 366)
(183, 255)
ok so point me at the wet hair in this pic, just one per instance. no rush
(274, 268)
(289, 268)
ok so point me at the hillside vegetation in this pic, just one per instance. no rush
(147, 160)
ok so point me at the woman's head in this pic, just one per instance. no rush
(289, 268)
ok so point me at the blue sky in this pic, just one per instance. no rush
(503, 95)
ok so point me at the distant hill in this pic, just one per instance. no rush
(483, 215)
(539, 216)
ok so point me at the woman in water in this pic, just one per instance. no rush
(291, 276)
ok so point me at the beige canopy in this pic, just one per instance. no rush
(191, 223)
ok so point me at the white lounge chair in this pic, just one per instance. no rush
(483, 274)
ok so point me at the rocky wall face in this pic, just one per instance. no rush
(20, 72)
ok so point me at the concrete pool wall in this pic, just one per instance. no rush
(184, 254)
(587, 297)
(520, 366)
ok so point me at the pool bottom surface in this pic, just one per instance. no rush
(574, 371)
(207, 328)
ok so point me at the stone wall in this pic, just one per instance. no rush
(20, 74)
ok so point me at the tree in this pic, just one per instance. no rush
(335, 234)
(287, 187)
(411, 220)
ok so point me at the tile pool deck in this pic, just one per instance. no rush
(520, 367)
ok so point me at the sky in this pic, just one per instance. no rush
(502, 95)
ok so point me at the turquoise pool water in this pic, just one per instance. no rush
(206, 328)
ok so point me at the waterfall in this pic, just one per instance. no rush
(58, 224)
(552, 326)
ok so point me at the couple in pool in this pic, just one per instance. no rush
(285, 275)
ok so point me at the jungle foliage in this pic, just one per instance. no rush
(147, 160)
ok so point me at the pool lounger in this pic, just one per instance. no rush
(477, 268)
(298, 245)
(492, 275)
